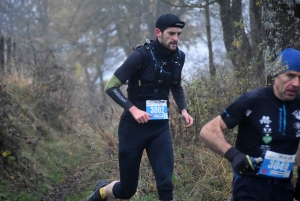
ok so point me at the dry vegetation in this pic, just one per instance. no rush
(57, 140)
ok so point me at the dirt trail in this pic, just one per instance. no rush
(72, 184)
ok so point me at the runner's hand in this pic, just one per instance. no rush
(240, 162)
(188, 119)
(139, 115)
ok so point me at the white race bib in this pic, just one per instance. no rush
(157, 108)
(277, 165)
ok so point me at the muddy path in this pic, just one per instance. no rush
(72, 185)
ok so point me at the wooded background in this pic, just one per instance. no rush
(97, 35)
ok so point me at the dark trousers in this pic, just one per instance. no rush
(155, 137)
(247, 188)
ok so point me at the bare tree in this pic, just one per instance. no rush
(2, 62)
(258, 70)
(236, 41)
(212, 68)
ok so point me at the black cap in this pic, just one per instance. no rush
(169, 20)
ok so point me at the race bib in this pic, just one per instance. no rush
(277, 165)
(157, 108)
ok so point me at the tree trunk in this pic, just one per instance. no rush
(235, 39)
(280, 28)
(14, 53)
(227, 24)
(212, 68)
(2, 63)
(9, 56)
(258, 71)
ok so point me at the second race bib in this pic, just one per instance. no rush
(277, 165)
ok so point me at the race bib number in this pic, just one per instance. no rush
(277, 165)
(157, 108)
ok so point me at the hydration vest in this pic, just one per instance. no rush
(154, 78)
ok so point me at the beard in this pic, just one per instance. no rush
(171, 46)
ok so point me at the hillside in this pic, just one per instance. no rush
(46, 153)
(57, 140)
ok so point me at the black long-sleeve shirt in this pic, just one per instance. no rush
(132, 67)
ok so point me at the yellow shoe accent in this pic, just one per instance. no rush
(102, 193)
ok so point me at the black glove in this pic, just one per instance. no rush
(297, 188)
(240, 162)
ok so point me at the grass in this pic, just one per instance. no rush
(79, 147)
(42, 157)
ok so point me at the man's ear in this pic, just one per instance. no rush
(158, 32)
